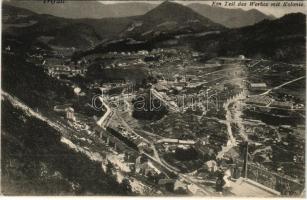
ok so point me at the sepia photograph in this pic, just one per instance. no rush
(154, 98)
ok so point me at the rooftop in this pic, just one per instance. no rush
(258, 85)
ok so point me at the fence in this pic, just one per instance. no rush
(272, 180)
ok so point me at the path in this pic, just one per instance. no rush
(277, 87)
(232, 141)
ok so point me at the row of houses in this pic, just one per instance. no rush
(70, 71)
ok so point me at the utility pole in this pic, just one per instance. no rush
(207, 96)
(245, 159)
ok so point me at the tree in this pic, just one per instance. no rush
(109, 168)
(150, 176)
(125, 186)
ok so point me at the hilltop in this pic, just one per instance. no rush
(231, 18)
(84, 9)
(280, 39)
(162, 19)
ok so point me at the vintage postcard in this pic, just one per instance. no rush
(153, 98)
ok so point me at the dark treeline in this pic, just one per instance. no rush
(35, 162)
(30, 83)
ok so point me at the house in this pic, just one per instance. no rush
(161, 88)
(282, 104)
(241, 57)
(142, 146)
(70, 115)
(205, 152)
(211, 166)
(195, 54)
(61, 108)
(145, 167)
(257, 86)
(186, 142)
(149, 167)
(179, 84)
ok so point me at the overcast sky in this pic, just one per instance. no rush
(276, 11)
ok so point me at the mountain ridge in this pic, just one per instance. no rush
(231, 18)
(84, 9)
(160, 19)
(228, 17)
(281, 39)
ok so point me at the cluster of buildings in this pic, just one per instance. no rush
(272, 103)
(137, 140)
(146, 167)
(149, 170)
(55, 68)
(282, 104)
(70, 115)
